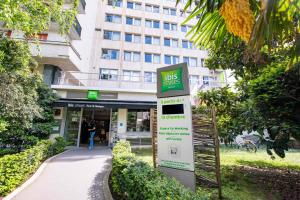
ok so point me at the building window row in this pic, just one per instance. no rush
(148, 7)
(132, 56)
(149, 77)
(150, 23)
(152, 40)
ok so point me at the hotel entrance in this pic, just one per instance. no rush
(126, 120)
(101, 118)
(79, 120)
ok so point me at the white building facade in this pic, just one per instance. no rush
(105, 69)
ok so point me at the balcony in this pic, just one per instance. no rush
(75, 31)
(121, 83)
(60, 54)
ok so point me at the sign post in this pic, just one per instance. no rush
(175, 151)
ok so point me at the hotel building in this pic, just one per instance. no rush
(105, 68)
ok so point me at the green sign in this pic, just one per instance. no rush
(172, 80)
(93, 94)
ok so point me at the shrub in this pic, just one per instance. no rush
(16, 168)
(59, 145)
(135, 179)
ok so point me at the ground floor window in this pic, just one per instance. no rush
(138, 121)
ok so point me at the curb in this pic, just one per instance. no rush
(29, 181)
(106, 190)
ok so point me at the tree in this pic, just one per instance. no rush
(225, 102)
(271, 23)
(35, 16)
(276, 96)
(42, 126)
(25, 104)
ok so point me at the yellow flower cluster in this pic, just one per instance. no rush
(239, 18)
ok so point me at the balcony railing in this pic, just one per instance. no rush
(113, 81)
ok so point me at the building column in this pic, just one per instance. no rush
(122, 122)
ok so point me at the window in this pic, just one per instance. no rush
(208, 80)
(132, 56)
(191, 62)
(132, 38)
(150, 77)
(129, 75)
(152, 8)
(113, 18)
(110, 54)
(185, 28)
(169, 11)
(171, 60)
(39, 36)
(170, 42)
(51, 74)
(194, 79)
(152, 40)
(134, 5)
(170, 26)
(116, 3)
(152, 58)
(109, 74)
(187, 44)
(151, 23)
(133, 21)
(111, 35)
(202, 62)
(138, 121)
(185, 13)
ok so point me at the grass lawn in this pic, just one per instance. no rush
(236, 184)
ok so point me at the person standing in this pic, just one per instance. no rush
(92, 131)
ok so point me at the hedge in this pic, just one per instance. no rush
(16, 168)
(136, 180)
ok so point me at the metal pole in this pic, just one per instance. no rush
(110, 128)
(79, 128)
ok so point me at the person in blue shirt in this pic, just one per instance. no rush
(92, 132)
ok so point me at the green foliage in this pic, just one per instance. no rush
(59, 145)
(276, 25)
(25, 102)
(233, 57)
(16, 168)
(268, 101)
(225, 102)
(276, 97)
(18, 85)
(42, 126)
(134, 179)
(35, 16)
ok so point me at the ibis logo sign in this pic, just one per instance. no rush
(92, 94)
(172, 80)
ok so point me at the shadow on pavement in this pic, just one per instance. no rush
(96, 190)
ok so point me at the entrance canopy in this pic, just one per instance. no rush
(81, 103)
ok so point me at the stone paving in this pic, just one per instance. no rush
(76, 174)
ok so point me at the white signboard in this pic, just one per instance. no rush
(174, 133)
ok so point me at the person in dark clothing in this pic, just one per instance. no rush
(84, 132)
(92, 131)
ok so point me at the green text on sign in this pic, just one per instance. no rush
(171, 80)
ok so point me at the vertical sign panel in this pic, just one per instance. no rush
(175, 151)
(174, 133)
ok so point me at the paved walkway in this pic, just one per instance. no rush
(75, 174)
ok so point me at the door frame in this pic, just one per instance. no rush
(80, 123)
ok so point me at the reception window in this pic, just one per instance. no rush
(138, 121)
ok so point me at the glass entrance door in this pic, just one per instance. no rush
(72, 125)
